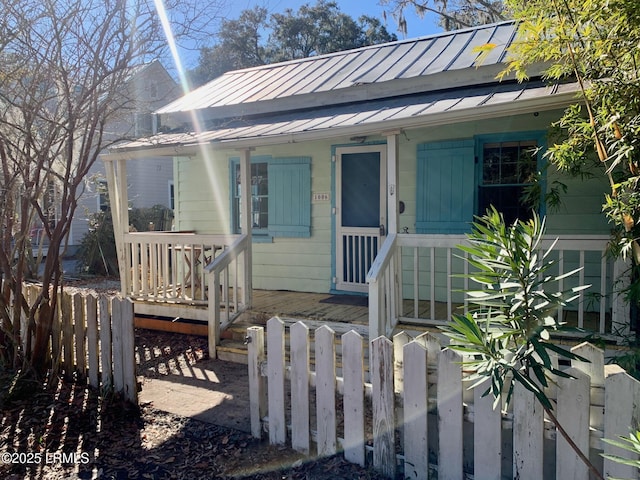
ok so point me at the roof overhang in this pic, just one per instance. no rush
(360, 119)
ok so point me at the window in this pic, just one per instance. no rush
(457, 179)
(280, 196)
(143, 124)
(507, 169)
(103, 195)
(259, 197)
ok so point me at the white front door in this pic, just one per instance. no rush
(361, 210)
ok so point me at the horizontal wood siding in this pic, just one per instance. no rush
(581, 209)
(305, 264)
(280, 263)
(202, 195)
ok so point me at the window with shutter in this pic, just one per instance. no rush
(280, 196)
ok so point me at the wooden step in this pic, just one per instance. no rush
(232, 351)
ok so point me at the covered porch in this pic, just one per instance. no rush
(182, 274)
(412, 279)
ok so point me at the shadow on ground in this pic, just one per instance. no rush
(69, 431)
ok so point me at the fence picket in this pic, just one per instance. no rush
(326, 390)
(92, 339)
(449, 416)
(573, 415)
(106, 357)
(275, 383)
(594, 367)
(300, 434)
(384, 447)
(130, 387)
(257, 384)
(527, 435)
(487, 434)
(67, 334)
(399, 341)
(78, 330)
(621, 406)
(416, 408)
(116, 344)
(56, 335)
(353, 374)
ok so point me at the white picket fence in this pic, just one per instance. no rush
(412, 414)
(92, 337)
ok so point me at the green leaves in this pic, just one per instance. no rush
(506, 333)
(594, 42)
(631, 444)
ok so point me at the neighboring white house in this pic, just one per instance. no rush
(150, 182)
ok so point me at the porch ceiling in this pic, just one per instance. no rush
(359, 118)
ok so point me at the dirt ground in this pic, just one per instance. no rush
(66, 431)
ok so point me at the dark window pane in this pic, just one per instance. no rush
(506, 200)
(507, 168)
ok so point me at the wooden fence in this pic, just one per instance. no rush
(93, 338)
(411, 413)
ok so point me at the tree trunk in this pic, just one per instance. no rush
(40, 351)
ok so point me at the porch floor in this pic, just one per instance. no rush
(340, 312)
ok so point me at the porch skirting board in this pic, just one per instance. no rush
(167, 325)
(171, 310)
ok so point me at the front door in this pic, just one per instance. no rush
(361, 210)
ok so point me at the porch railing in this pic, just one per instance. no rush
(186, 268)
(168, 266)
(415, 280)
(229, 288)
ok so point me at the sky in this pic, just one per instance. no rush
(416, 26)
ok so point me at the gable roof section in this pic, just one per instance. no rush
(367, 73)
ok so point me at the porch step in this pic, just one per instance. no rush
(233, 349)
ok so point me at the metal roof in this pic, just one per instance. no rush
(346, 71)
(401, 85)
(372, 117)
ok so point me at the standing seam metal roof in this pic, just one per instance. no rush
(367, 117)
(374, 64)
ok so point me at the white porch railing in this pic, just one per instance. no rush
(415, 280)
(184, 268)
(229, 286)
(168, 266)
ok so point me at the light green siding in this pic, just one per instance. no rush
(306, 264)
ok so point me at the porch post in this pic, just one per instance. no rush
(119, 204)
(245, 183)
(620, 317)
(392, 181)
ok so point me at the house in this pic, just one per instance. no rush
(150, 182)
(356, 172)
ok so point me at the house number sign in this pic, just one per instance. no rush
(321, 197)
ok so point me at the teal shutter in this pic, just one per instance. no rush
(445, 187)
(290, 197)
